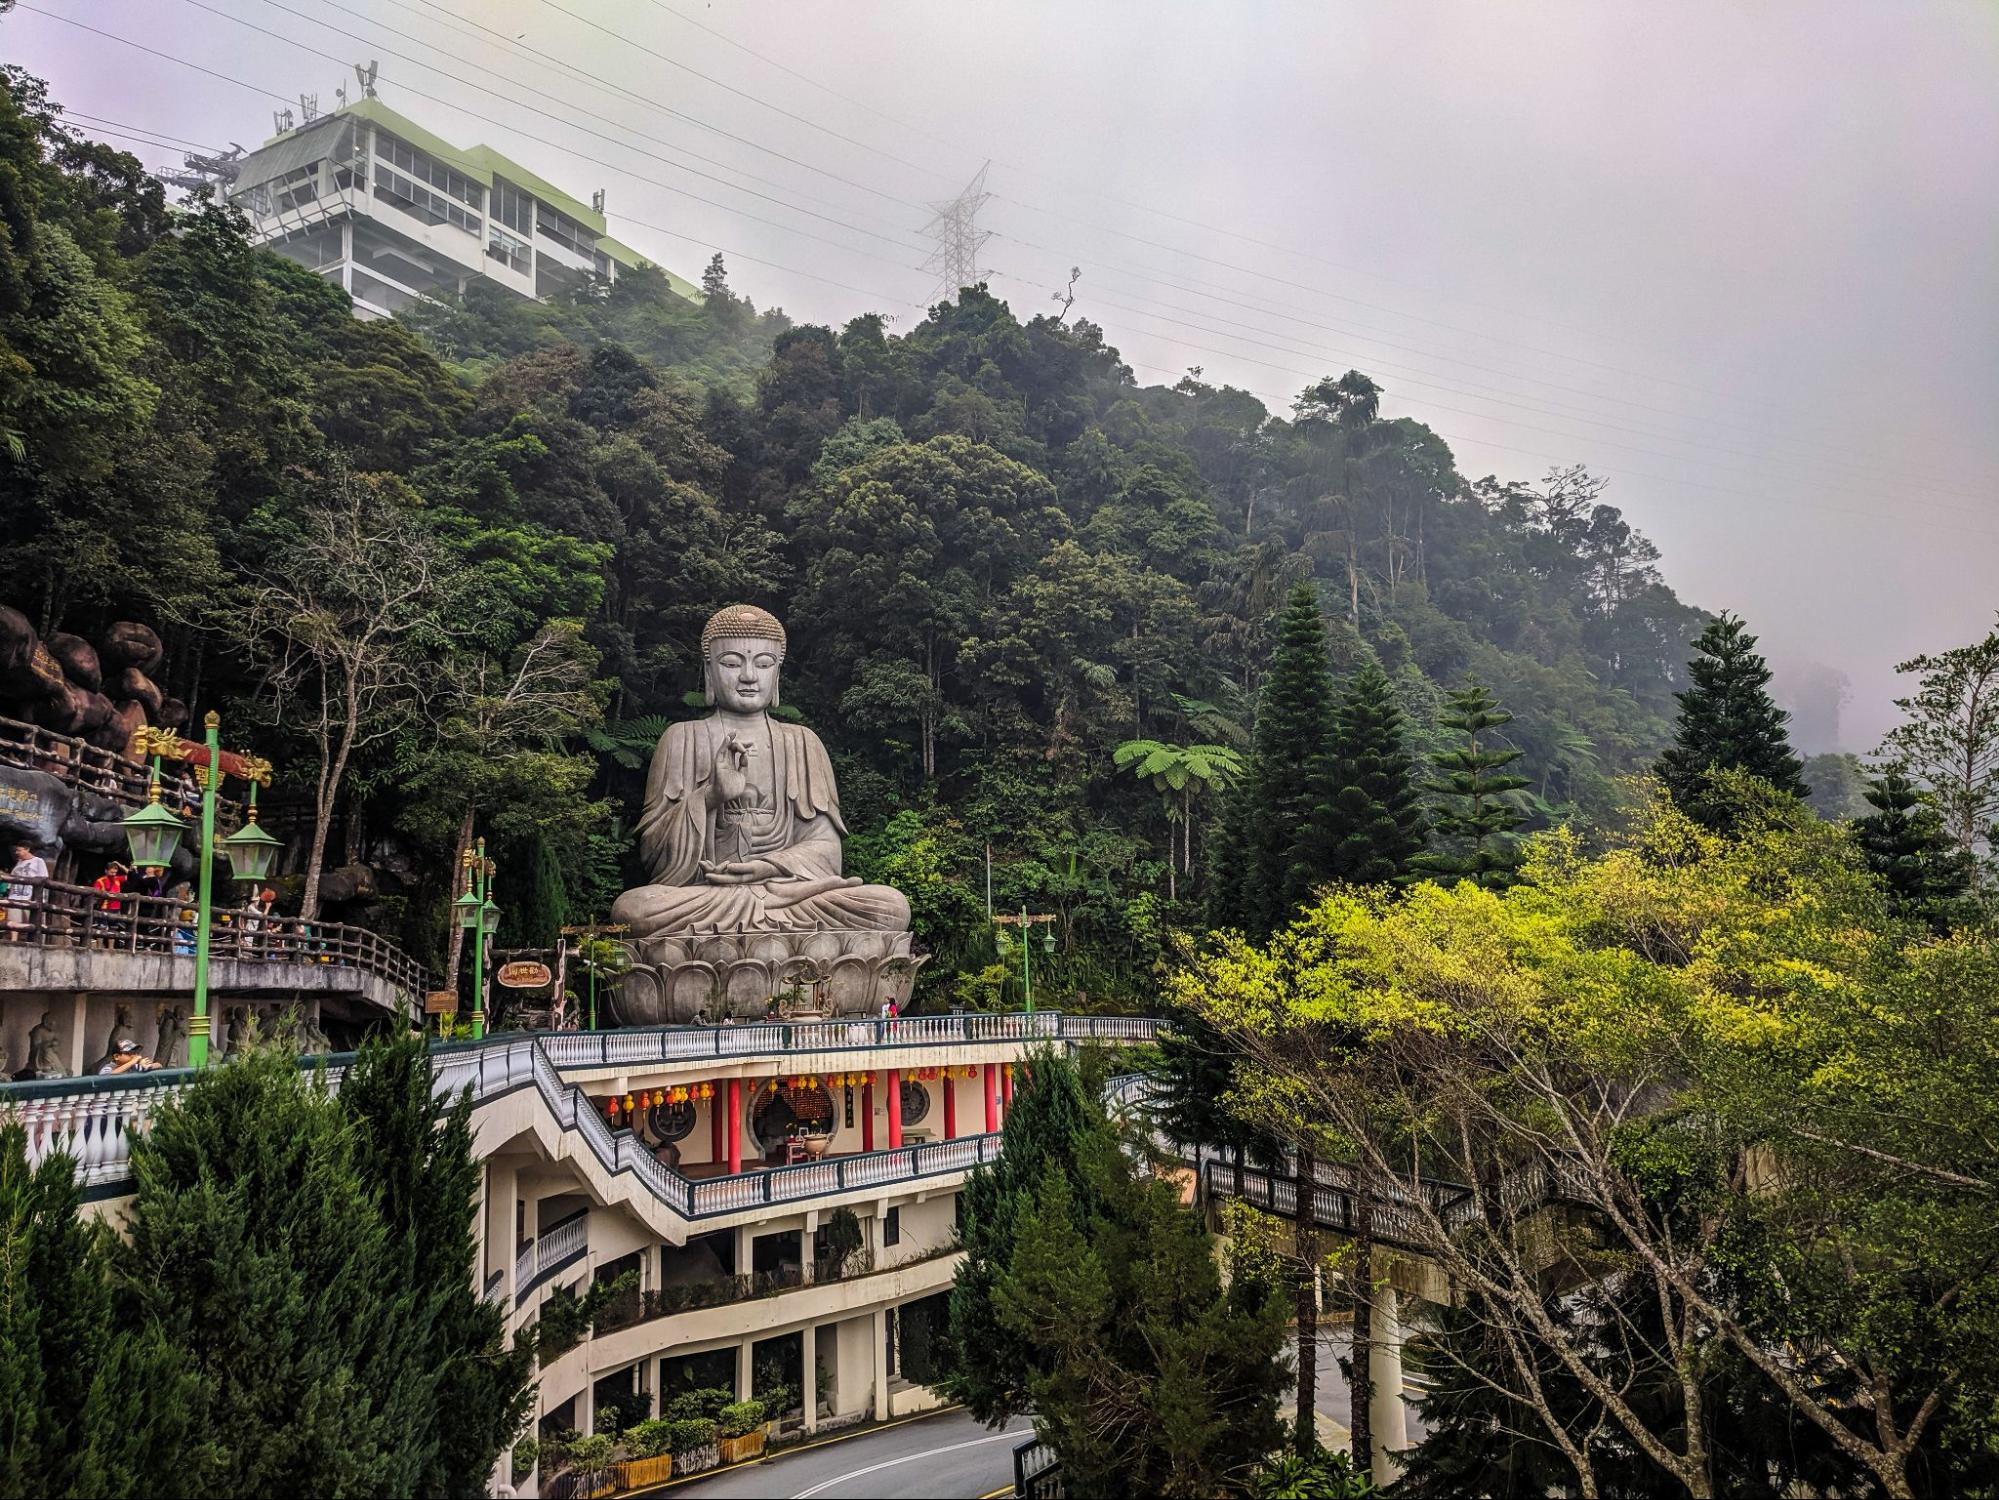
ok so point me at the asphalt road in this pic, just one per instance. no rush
(945, 1457)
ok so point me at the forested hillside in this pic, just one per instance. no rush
(999, 557)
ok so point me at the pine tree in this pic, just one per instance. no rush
(1728, 722)
(257, 1251)
(1475, 783)
(1371, 827)
(1144, 1374)
(1277, 820)
(415, 1151)
(1053, 1123)
(1907, 847)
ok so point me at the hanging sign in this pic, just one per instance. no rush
(524, 974)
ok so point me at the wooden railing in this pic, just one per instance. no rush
(109, 773)
(50, 914)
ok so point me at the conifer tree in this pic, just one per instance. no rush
(1278, 819)
(415, 1150)
(1371, 827)
(1053, 1122)
(1908, 848)
(257, 1251)
(1144, 1374)
(1728, 722)
(1474, 813)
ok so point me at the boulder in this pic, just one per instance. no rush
(79, 660)
(133, 686)
(97, 713)
(37, 679)
(173, 714)
(17, 641)
(130, 644)
(63, 710)
(115, 733)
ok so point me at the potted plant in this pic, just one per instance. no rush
(741, 1430)
(691, 1441)
(649, 1454)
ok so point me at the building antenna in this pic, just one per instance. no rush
(207, 171)
(954, 229)
(366, 76)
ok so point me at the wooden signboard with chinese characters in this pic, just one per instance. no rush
(524, 974)
(440, 1002)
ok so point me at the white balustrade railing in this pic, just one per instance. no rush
(94, 1120)
(561, 1244)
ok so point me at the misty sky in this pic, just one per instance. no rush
(1740, 259)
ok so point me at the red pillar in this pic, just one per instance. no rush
(1006, 1087)
(950, 1106)
(717, 1142)
(992, 1097)
(735, 1126)
(894, 1108)
(868, 1114)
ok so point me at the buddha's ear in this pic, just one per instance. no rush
(708, 682)
(777, 686)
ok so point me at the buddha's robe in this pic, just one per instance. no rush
(793, 822)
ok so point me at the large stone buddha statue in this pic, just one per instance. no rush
(741, 834)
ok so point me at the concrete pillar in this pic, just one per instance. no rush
(808, 1373)
(992, 1097)
(746, 1239)
(879, 1324)
(894, 1108)
(805, 1261)
(586, 1406)
(1386, 1413)
(950, 1105)
(868, 1114)
(743, 1371)
(79, 1023)
(718, 1145)
(735, 1126)
(503, 1196)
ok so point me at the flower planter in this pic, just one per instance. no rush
(695, 1460)
(736, 1449)
(634, 1472)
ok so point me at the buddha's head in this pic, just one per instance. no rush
(742, 648)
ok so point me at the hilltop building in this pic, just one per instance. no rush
(368, 198)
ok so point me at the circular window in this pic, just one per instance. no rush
(671, 1122)
(915, 1102)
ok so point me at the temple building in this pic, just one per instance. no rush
(370, 199)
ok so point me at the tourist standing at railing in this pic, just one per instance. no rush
(30, 872)
(108, 886)
(185, 915)
(149, 885)
(255, 916)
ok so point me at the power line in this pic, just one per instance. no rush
(99, 120)
(559, 119)
(1425, 401)
(1839, 471)
(638, 223)
(1176, 250)
(501, 42)
(674, 62)
(958, 241)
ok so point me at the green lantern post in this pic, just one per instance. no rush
(480, 916)
(155, 833)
